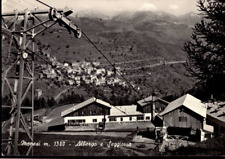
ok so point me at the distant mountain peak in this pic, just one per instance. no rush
(144, 16)
(191, 14)
(190, 18)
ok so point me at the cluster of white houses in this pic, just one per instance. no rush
(78, 72)
(185, 116)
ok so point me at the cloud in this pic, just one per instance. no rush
(148, 7)
(174, 7)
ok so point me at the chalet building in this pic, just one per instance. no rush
(186, 116)
(92, 112)
(216, 117)
(151, 104)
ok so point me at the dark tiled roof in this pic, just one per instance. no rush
(83, 104)
(217, 111)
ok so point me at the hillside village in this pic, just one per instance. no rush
(73, 74)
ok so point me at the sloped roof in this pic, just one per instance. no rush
(217, 111)
(124, 110)
(149, 99)
(189, 102)
(83, 104)
(56, 111)
(44, 126)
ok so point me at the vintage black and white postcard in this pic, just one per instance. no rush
(113, 78)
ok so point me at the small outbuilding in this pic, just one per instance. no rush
(186, 116)
(152, 105)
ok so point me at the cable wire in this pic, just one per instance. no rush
(113, 65)
(141, 95)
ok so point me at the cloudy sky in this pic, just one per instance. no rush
(108, 7)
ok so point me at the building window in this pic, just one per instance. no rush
(94, 120)
(103, 119)
(208, 136)
(75, 122)
(94, 112)
(90, 112)
(222, 129)
(147, 117)
(182, 119)
(140, 118)
(121, 119)
(112, 119)
(130, 118)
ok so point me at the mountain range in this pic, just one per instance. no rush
(141, 39)
(142, 16)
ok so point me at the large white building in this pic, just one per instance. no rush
(88, 114)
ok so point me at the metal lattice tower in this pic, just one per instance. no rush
(19, 83)
(18, 72)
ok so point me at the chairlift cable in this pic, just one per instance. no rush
(127, 81)
(112, 64)
(44, 4)
(141, 95)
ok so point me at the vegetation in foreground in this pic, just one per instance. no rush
(211, 147)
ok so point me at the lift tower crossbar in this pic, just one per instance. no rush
(18, 70)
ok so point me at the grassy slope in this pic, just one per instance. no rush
(120, 42)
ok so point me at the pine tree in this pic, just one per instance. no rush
(51, 102)
(206, 51)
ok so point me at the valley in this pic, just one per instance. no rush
(139, 45)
